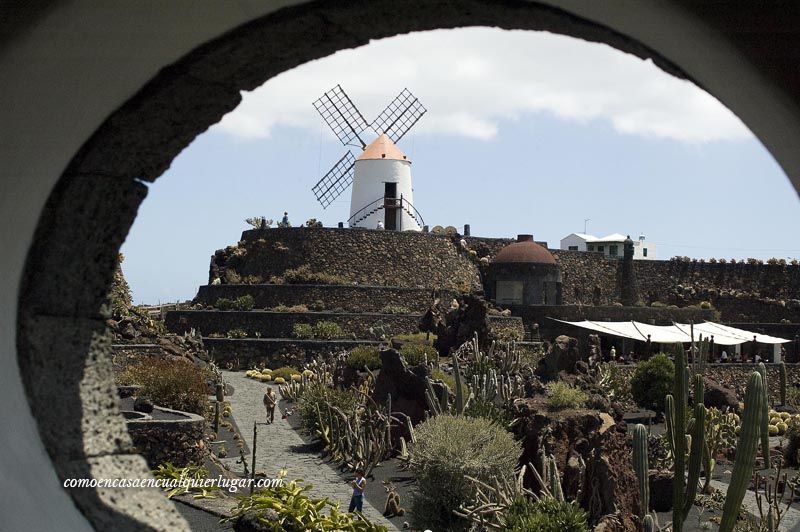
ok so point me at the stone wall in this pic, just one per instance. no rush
(179, 441)
(588, 278)
(690, 282)
(274, 353)
(279, 324)
(356, 256)
(362, 298)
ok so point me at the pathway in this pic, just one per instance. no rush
(276, 444)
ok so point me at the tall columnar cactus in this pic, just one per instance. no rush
(782, 368)
(683, 492)
(745, 451)
(641, 466)
(648, 525)
(762, 370)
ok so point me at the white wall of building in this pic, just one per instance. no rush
(369, 185)
(604, 245)
(574, 240)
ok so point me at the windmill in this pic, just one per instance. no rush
(381, 174)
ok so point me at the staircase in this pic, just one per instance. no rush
(383, 203)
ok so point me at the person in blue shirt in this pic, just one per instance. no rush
(357, 500)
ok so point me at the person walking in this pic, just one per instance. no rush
(270, 400)
(357, 500)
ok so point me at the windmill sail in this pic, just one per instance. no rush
(399, 116)
(335, 181)
(342, 116)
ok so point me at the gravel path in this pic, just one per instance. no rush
(278, 444)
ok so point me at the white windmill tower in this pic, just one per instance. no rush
(381, 174)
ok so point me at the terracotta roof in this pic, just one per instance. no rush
(524, 250)
(382, 148)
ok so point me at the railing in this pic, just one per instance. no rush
(384, 203)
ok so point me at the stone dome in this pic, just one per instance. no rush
(524, 250)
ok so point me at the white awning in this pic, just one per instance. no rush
(677, 333)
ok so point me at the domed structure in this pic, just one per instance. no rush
(524, 250)
(524, 273)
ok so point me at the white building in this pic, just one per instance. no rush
(611, 245)
(382, 189)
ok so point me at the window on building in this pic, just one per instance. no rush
(612, 250)
(591, 247)
(573, 248)
(601, 248)
(644, 252)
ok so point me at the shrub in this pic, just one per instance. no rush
(545, 515)
(304, 275)
(236, 333)
(562, 395)
(652, 381)
(317, 395)
(328, 330)
(284, 372)
(172, 384)
(317, 306)
(293, 308)
(706, 305)
(395, 309)
(414, 354)
(302, 330)
(245, 302)
(416, 338)
(447, 449)
(364, 356)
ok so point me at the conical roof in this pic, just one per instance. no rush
(382, 148)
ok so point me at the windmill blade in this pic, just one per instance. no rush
(341, 115)
(399, 116)
(335, 181)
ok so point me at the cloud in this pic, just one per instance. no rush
(473, 79)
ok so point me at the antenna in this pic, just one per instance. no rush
(347, 123)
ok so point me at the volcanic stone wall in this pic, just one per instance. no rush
(588, 278)
(361, 298)
(176, 441)
(355, 256)
(690, 282)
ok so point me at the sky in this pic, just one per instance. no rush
(526, 132)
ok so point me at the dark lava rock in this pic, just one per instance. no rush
(606, 479)
(718, 396)
(561, 356)
(661, 490)
(143, 404)
(405, 384)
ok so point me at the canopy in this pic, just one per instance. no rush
(677, 333)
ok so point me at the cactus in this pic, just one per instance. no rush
(648, 525)
(782, 368)
(745, 451)
(762, 370)
(683, 494)
(641, 466)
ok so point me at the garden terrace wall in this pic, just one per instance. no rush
(279, 324)
(270, 324)
(274, 353)
(361, 298)
(179, 441)
(690, 282)
(362, 256)
(749, 310)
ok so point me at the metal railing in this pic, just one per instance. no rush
(382, 203)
